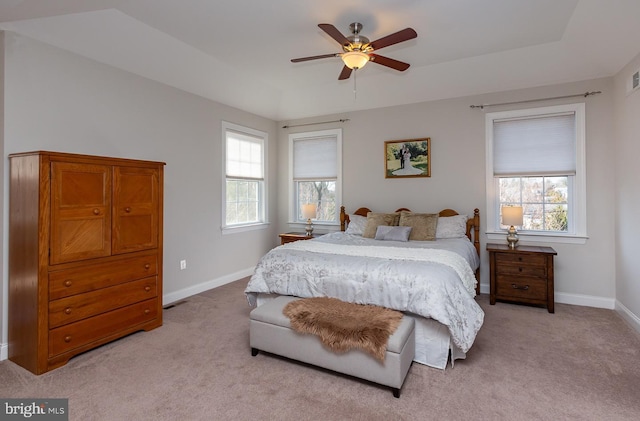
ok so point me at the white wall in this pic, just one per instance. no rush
(627, 190)
(58, 101)
(585, 274)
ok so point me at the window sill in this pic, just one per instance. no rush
(244, 228)
(539, 238)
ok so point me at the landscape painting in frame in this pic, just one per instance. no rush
(407, 158)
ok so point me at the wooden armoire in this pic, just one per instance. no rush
(85, 254)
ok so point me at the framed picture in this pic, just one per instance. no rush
(407, 158)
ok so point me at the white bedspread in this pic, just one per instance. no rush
(424, 285)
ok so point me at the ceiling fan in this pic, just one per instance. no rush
(358, 50)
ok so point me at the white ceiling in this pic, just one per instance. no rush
(238, 51)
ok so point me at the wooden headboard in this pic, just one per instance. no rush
(473, 227)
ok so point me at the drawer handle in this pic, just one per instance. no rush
(68, 283)
(147, 266)
(96, 211)
(524, 288)
(67, 310)
(147, 311)
(67, 339)
(127, 209)
(519, 269)
(147, 288)
(519, 259)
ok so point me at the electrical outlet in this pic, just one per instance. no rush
(183, 264)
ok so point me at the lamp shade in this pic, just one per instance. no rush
(512, 215)
(355, 59)
(309, 211)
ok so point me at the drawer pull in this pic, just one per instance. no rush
(96, 211)
(524, 288)
(68, 283)
(147, 288)
(127, 209)
(67, 339)
(147, 266)
(147, 311)
(519, 269)
(67, 310)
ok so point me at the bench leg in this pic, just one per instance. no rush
(254, 352)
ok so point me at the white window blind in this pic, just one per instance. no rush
(244, 156)
(539, 145)
(315, 158)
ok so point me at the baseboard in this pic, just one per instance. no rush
(626, 314)
(172, 297)
(4, 351)
(574, 299)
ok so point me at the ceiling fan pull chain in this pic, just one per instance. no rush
(355, 90)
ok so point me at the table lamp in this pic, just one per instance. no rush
(309, 212)
(512, 215)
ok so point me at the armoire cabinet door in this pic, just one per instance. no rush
(80, 212)
(135, 209)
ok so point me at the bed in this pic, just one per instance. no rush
(431, 274)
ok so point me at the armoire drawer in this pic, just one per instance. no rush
(85, 331)
(81, 279)
(80, 306)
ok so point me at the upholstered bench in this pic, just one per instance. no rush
(269, 331)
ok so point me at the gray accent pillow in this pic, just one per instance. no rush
(388, 233)
(356, 224)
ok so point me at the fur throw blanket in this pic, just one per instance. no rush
(343, 326)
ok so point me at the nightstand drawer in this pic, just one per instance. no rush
(520, 259)
(521, 270)
(521, 287)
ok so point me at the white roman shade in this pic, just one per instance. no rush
(244, 156)
(315, 158)
(540, 145)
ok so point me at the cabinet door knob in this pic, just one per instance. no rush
(67, 283)
(96, 211)
(147, 288)
(67, 310)
(147, 311)
(147, 266)
(127, 209)
(67, 338)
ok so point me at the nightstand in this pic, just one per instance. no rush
(294, 236)
(522, 275)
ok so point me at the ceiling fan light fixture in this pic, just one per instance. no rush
(355, 59)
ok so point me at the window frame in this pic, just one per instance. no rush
(577, 198)
(263, 190)
(293, 193)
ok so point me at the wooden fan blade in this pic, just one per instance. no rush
(333, 32)
(389, 62)
(297, 60)
(345, 73)
(400, 36)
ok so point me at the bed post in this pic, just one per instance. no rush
(343, 218)
(476, 243)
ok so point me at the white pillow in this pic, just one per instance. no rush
(452, 226)
(356, 224)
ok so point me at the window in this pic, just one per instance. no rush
(244, 186)
(315, 175)
(535, 159)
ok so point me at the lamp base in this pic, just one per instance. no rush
(512, 237)
(309, 228)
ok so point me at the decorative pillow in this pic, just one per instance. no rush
(392, 233)
(452, 227)
(356, 224)
(376, 219)
(423, 225)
